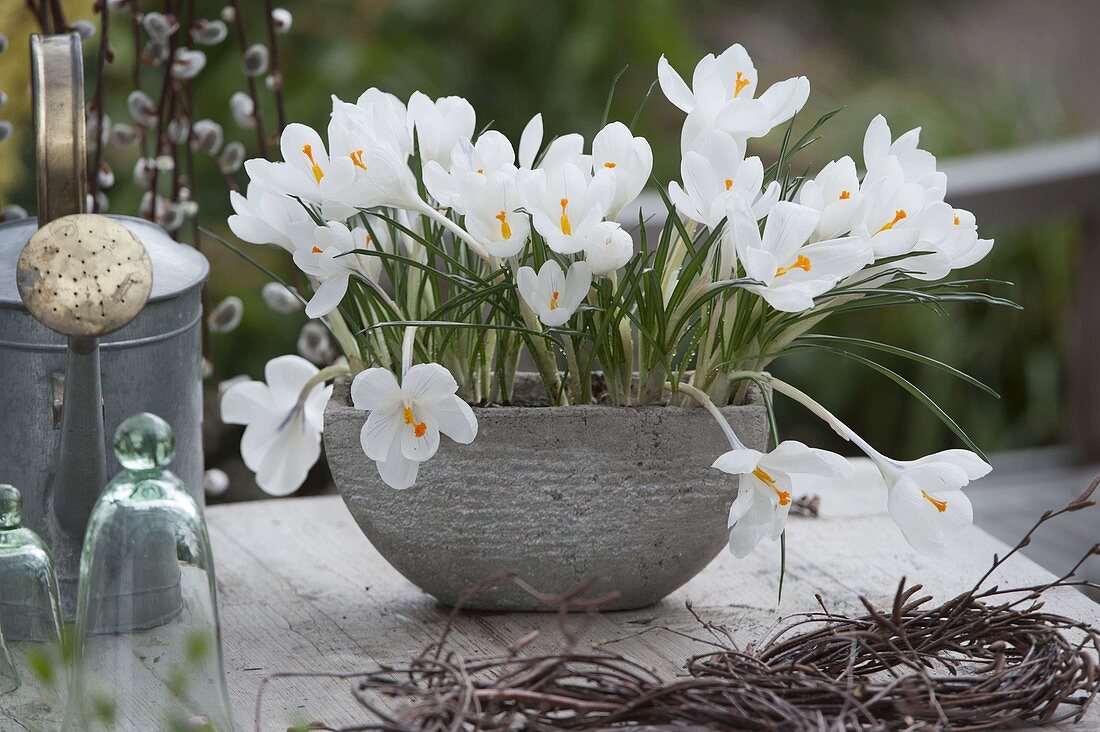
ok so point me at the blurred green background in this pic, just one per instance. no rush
(975, 74)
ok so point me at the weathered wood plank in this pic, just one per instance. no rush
(303, 590)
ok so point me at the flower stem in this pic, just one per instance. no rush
(704, 401)
(329, 372)
(458, 231)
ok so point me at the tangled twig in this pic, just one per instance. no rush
(985, 658)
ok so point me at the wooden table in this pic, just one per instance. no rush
(301, 589)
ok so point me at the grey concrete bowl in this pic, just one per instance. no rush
(556, 494)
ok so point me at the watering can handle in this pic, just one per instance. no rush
(57, 84)
(57, 81)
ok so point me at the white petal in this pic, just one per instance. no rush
(396, 470)
(327, 296)
(375, 388)
(673, 86)
(876, 142)
(423, 446)
(737, 462)
(785, 99)
(246, 402)
(290, 458)
(286, 375)
(380, 431)
(530, 142)
(577, 282)
(456, 419)
(428, 383)
(968, 461)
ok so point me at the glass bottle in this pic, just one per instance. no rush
(31, 664)
(148, 653)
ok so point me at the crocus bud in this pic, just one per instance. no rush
(279, 298)
(255, 60)
(232, 158)
(188, 63)
(208, 32)
(244, 111)
(226, 315)
(207, 136)
(315, 345)
(141, 108)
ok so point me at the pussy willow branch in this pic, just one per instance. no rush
(276, 70)
(98, 100)
(253, 92)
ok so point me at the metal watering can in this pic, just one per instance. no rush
(63, 396)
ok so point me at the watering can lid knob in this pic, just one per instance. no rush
(144, 442)
(11, 507)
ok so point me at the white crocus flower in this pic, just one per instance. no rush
(630, 160)
(766, 486)
(925, 497)
(889, 210)
(918, 166)
(492, 153)
(552, 294)
(793, 273)
(716, 175)
(383, 116)
(490, 202)
(406, 418)
(950, 238)
(723, 96)
(328, 260)
(607, 248)
(439, 125)
(835, 194)
(307, 172)
(565, 203)
(263, 216)
(282, 437)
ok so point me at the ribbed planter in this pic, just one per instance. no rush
(556, 494)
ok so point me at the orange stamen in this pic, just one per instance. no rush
(941, 506)
(419, 428)
(956, 219)
(801, 262)
(357, 159)
(554, 300)
(784, 496)
(609, 166)
(505, 227)
(318, 250)
(845, 195)
(739, 84)
(729, 183)
(898, 216)
(566, 227)
(318, 174)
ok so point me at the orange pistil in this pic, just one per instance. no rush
(784, 496)
(566, 227)
(505, 227)
(845, 195)
(318, 174)
(729, 183)
(739, 84)
(554, 300)
(956, 219)
(481, 171)
(609, 165)
(801, 262)
(419, 428)
(941, 506)
(357, 159)
(318, 250)
(898, 216)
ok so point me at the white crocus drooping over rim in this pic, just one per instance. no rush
(792, 272)
(406, 418)
(329, 261)
(766, 488)
(439, 125)
(715, 175)
(630, 160)
(723, 96)
(565, 203)
(552, 294)
(491, 154)
(263, 216)
(491, 201)
(282, 436)
(607, 248)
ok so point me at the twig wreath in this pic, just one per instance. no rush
(987, 657)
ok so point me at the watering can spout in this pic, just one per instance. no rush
(81, 459)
